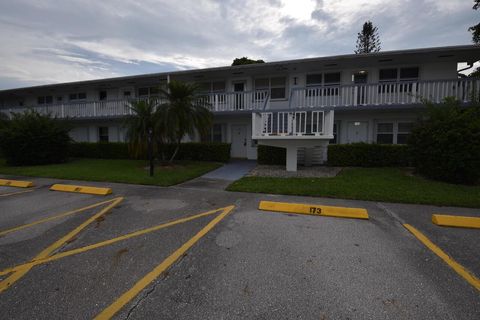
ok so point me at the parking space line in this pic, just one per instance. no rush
(20, 272)
(456, 221)
(125, 298)
(108, 242)
(16, 192)
(65, 214)
(313, 209)
(462, 271)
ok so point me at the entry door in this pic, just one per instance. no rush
(357, 131)
(239, 88)
(361, 79)
(239, 141)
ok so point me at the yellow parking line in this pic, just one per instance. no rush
(81, 189)
(111, 310)
(28, 225)
(20, 272)
(16, 183)
(313, 209)
(108, 242)
(456, 221)
(462, 271)
(17, 192)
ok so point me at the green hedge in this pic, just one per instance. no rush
(100, 150)
(119, 150)
(368, 155)
(271, 155)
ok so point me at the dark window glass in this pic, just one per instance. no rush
(154, 90)
(72, 96)
(49, 99)
(385, 133)
(143, 91)
(218, 86)
(59, 98)
(384, 138)
(127, 93)
(409, 73)
(277, 93)
(402, 138)
(314, 79)
(103, 134)
(103, 95)
(388, 75)
(41, 100)
(335, 134)
(332, 78)
(82, 95)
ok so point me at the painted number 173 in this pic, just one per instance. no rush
(315, 210)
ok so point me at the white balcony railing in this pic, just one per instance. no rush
(216, 102)
(386, 93)
(286, 124)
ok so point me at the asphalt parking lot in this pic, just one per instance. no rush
(234, 261)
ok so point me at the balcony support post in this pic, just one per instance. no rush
(292, 158)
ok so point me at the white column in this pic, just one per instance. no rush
(292, 158)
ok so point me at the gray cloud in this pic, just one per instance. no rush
(55, 41)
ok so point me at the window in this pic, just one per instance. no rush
(276, 85)
(404, 129)
(77, 96)
(45, 100)
(385, 133)
(395, 75)
(148, 91)
(127, 93)
(326, 80)
(393, 132)
(102, 95)
(103, 134)
(59, 98)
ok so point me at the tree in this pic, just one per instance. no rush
(183, 114)
(143, 126)
(446, 146)
(475, 30)
(30, 138)
(245, 60)
(368, 39)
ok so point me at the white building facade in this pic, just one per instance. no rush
(301, 105)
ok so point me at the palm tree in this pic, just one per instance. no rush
(183, 114)
(143, 126)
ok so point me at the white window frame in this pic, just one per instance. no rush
(270, 87)
(395, 131)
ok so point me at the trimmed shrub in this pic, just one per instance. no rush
(31, 138)
(368, 155)
(271, 155)
(446, 146)
(100, 150)
(119, 150)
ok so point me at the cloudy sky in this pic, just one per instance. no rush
(46, 41)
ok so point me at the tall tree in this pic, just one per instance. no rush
(245, 60)
(142, 127)
(475, 30)
(183, 114)
(368, 39)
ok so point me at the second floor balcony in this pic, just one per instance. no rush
(385, 94)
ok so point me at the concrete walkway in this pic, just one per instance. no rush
(231, 171)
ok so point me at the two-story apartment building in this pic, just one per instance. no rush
(301, 105)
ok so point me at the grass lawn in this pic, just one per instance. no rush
(127, 171)
(376, 184)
